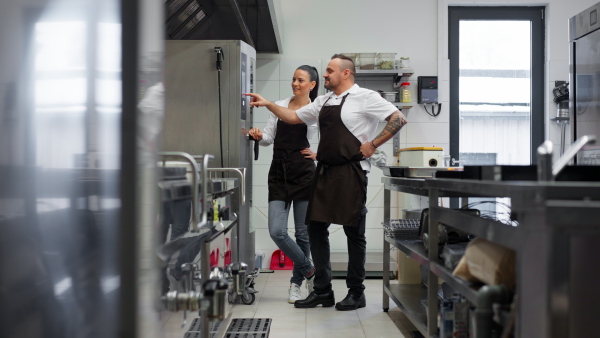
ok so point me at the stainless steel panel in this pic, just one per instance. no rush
(192, 120)
(585, 113)
(71, 221)
(584, 22)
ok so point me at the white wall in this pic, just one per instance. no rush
(313, 30)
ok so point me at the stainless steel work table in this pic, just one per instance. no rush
(554, 218)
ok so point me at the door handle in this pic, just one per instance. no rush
(256, 146)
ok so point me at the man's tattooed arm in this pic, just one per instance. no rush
(395, 122)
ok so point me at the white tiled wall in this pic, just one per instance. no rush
(313, 30)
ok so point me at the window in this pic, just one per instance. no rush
(496, 84)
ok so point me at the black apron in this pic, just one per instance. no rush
(291, 174)
(339, 189)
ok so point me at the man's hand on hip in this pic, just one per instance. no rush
(367, 149)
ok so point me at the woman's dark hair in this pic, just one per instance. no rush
(314, 76)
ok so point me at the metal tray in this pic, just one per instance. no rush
(415, 172)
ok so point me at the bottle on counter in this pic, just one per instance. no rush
(405, 92)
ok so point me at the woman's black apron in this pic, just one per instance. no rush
(291, 174)
(339, 188)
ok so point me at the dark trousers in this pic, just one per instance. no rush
(318, 234)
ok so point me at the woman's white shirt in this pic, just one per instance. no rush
(271, 129)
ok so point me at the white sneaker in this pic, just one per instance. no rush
(310, 285)
(294, 293)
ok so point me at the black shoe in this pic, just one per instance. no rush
(351, 302)
(326, 299)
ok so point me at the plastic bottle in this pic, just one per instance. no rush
(405, 92)
(215, 211)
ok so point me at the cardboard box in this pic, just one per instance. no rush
(407, 269)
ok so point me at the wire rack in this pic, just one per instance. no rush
(402, 229)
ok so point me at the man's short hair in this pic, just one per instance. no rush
(347, 63)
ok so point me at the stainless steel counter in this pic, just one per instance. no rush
(556, 241)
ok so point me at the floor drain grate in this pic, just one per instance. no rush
(250, 325)
(196, 326)
(238, 328)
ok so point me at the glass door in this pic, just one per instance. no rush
(496, 84)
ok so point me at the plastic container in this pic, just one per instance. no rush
(405, 92)
(367, 60)
(405, 62)
(258, 259)
(386, 60)
(390, 96)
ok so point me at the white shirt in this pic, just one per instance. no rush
(271, 129)
(361, 113)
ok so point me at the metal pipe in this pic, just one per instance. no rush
(484, 313)
(571, 152)
(544, 168)
(563, 131)
(204, 220)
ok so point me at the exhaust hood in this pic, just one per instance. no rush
(252, 21)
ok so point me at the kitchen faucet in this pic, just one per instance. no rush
(545, 157)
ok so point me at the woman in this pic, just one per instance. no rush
(291, 176)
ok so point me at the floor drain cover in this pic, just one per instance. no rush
(250, 325)
(196, 326)
(238, 328)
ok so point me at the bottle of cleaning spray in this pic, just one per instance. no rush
(215, 211)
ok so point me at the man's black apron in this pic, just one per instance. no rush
(339, 188)
(291, 174)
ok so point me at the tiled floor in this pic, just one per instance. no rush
(319, 322)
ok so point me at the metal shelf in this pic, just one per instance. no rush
(409, 299)
(413, 186)
(404, 105)
(491, 230)
(550, 214)
(412, 248)
(468, 290)
(404, 72)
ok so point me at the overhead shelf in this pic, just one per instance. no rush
(403, 72)
(404, 105)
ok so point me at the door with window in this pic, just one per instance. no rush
(496, 84)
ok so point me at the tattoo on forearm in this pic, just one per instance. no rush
(395, 122)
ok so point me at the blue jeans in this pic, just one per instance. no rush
(298, 251)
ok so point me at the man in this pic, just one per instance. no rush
(348, 118)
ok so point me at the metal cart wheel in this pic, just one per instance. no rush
(248, 298)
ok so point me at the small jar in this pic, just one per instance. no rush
(405, 92)
(405, 62)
